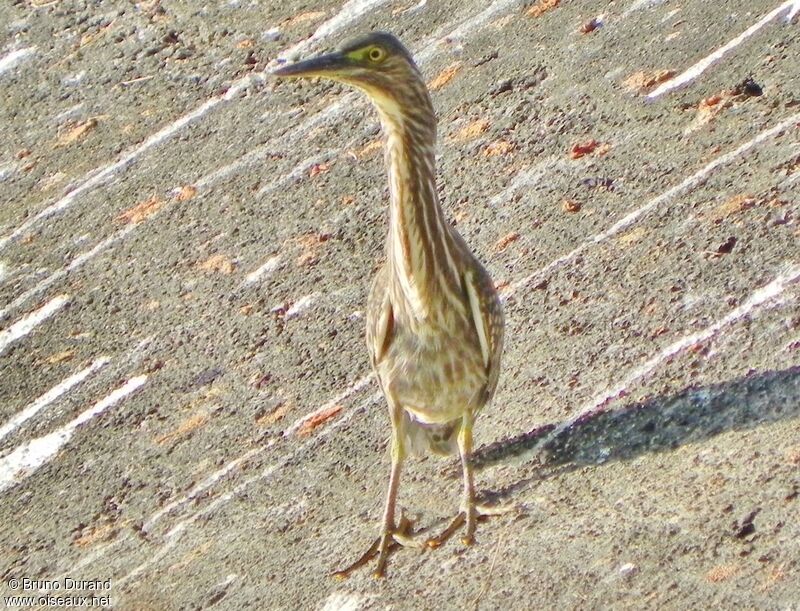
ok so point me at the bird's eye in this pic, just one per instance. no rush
(376, 54)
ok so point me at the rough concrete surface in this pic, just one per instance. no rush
(185, 251)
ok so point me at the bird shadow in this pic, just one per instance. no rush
(658, 424)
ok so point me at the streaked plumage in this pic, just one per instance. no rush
(434, 322)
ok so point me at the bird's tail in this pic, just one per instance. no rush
(441, 439)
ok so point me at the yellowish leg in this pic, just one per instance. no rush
(469, 510)
(468, 503)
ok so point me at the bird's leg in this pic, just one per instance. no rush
(388, 529)
(469, 510)
(391, 536)
(468, 503)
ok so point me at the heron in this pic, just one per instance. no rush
(434, 321)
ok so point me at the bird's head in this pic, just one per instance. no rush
(378, 64)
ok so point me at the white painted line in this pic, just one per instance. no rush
(758, 299)
(220, 474)
(28, 457)
(346, 102)
(264, 271)
(58, 274)
(685, 185)
(699, 176)
(468, 25)
(790, 7)
(258, 154)
(347, 393)
(641, 4)
(30, 321)
(15, 58)
(51, 395)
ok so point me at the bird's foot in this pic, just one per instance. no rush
(479, 513)
(448, 532)
(401, 535)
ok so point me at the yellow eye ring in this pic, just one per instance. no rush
(376, 54)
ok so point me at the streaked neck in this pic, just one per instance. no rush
(420, 247)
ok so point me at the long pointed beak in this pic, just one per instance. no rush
(325, 65)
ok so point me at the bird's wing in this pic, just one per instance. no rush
(380, 319)
(488, 321)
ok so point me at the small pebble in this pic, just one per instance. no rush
(628, 570)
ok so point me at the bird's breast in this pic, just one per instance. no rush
(434, 375)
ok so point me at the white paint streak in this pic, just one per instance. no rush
(28, 457)
(299, 307)
(685, 185)
(334, 109)
(344, 601)
(346, 394)
(104, 174)
(527, 177)
(346, 102)
(264, 271)
(349, 12)
(468, 25)
(149, 524)
(297, 172)
(200, 488)
(61, 273)
(7, 170)
(259, 154)
(759, 298)
(30, 321)
(641, 4)
(51, 395)
(699, 176)
(4, 272)
(15, 58)
(789, 7)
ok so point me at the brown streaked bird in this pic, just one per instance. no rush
(434, 321)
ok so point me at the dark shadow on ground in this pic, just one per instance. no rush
(656, 425)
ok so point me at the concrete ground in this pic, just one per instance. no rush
(186, 409)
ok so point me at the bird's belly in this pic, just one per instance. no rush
(434, 378)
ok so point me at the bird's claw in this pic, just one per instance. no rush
(481, 512)
(401, 535)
